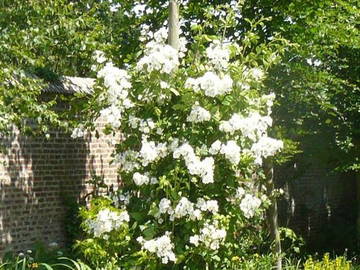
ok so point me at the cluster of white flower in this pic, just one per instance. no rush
(207, 205)
(144, 179)
(161, 246)
(161, 36)
(186, 208)
(183, 208)
(203, 168)
(211, 84)
(249, 204)
(100, 57)
(165, 207)
(253, 127)
(144, 125)
(128, 160)
(215, 147)
(240, 192)
(112, 115)
(198, 114)
(231, 151)
(218, 54)
(117, 82)
(266, 147)
(158, 55)
(150, 152)
(256, 74)
(120, 198)
(78, 132)
(106, 221)
(210, 235)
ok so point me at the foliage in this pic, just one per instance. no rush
(42, 258)
(317, 84)
(43, 40)
(72, 220)
(339, 263)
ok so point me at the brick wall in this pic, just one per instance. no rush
(37, 175)
(319, 205)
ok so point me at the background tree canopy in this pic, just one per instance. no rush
(317, 83)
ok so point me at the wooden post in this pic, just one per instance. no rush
(173, 36)
(272, 213)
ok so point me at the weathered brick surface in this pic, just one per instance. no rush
(36, 174)
(318, 205)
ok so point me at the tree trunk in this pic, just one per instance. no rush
(358, 207)
(173, 36)
(272, 214)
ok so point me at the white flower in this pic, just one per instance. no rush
(193, 84)
(210, 235)
(194, 240)
(107, 221)
(215, 147)
(204, 168)
(112, 115)
(160, 57)
(150, 152)
(174, 145)
(140, 239)
(257, 73)
(266, 147)
(198, 114)
(117, 82)
(140, 179)
(213, 85)
(128, 160)
(146, 125)
(165, 206)
(249, 204)
(231, 151)
(161, 35)
(182, 47)
(196, 215)
(183, 208)
(252, 127)
(133, 121)
(164, 85)
(218, 54)
(99, 56)
(210, 205)
(240, 192)
(78, 132)
(161, 246)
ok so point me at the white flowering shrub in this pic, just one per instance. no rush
(194, 128)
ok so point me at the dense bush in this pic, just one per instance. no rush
(194, 127)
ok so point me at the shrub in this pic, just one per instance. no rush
(339, 263)
(194, 127)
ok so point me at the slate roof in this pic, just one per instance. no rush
(71, 85)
